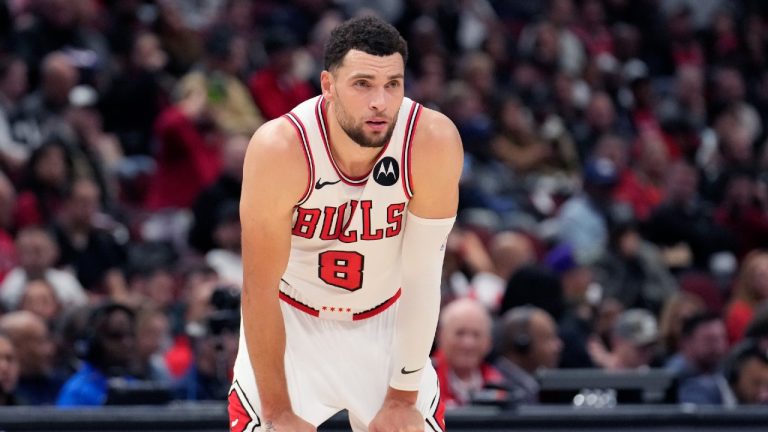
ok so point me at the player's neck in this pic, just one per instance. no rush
(352, 158)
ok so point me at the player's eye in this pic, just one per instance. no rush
(393, 84)
(361, 83)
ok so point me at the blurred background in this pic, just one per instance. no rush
(611, 249)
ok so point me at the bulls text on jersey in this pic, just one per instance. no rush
(329, 223)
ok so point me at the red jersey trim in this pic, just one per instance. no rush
(410, 131)
(355, 317)
(377, 309)
(298, 305)
(301, 131)
(322, 121)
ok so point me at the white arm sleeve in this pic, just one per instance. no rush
(423, 252)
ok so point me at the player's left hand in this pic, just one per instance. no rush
(397, 416)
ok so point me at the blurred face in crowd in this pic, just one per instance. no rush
(117, 338)
(7, 202)
(84, 202)
(707, 345)
(465, 335)
(365, 93)
(152, 331)
(752, 385)
(546, 345)
(40, 299)
(51, 167)
(34, 347)
(13, 84)
(36, 251)
(9, 367)
(631, 355)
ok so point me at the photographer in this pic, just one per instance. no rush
(214, 344)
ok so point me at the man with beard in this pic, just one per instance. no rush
(346, 206)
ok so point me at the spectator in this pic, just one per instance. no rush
(677, 308)
(13, 86)
(9, 371)
(49, 172)
(633, 344)
(215, 350)
(703, 346)
(39, 381)
(276, 87)
(633, 271)
(747, 373)
(37, 253)
(750, 289)
(108, 351)
(223, 192)
(463, 342)
(87, 247)
(40, 298)
(528, 341)
(229, 103)
(153, 337)
(226, 257)
(7, 248)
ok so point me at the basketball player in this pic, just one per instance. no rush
(346, 205)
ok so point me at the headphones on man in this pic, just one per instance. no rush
(88, 347)
(516, 329)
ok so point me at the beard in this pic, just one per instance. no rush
(356, 132)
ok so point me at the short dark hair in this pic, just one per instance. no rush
(368, 34)
(695, 321)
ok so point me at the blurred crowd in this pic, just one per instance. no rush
(613, 209)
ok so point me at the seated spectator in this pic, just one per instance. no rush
(276, 88)
(528, 341)
(225, 190)
(38, 252)
(9, 371)
(215, 342)
(48, 173)
(108, 350)
(7, 204)
(88, 247)
(703, 345)
(39, 382)
(463, 342)
(229, 103)
(633, 344)
(632, 270)
(225, 258)
(750, 289)
(675, 311)
(153, 338)
(40, 298)
(747, 374)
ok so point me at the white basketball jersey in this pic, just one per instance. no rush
(347, 232)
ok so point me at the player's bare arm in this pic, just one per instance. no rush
(275, 177)
(437, 161)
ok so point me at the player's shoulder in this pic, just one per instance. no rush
(276, 154)
(436, 134)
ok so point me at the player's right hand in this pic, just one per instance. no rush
(288, 422)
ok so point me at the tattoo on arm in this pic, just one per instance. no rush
(269, 427)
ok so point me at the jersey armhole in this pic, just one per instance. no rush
(410, 131)
(301, 131)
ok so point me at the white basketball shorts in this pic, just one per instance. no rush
(332, 365)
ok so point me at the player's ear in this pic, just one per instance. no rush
(326, 84)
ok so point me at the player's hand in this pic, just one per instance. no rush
(397, 416)
(288, 422)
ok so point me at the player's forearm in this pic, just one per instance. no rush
(265, 336)
(423, 251)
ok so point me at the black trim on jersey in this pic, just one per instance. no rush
(432, 419)
(250, 405)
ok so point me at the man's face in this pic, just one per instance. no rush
(546, 344)
(9, 366)
(752, 386)
(709, 344)
(366, 92)
(465, 340)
